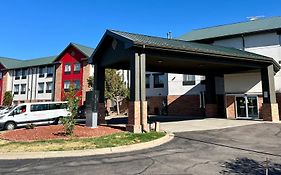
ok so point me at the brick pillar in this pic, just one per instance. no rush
(134, 117)
(58, 83)
(144, 115)
(269, 110)
(211, 110)
(230, 107)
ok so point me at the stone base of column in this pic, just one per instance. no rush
(134, 117)
(101, 113)
(144, 116)
(270, 112)
(211, 110)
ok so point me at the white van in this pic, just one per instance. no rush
(33, 113)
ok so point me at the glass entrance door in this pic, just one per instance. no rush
(247, 107)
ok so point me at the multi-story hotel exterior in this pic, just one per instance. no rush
(48, 78)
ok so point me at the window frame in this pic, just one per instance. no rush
(74, 85)
(186, 81)
(41, 74)
(158, 84)
(22, 92)
(23, 76)
(49, 90)
(76, 71)
(67, 72)
(52, 70)
(64, 85)
(41, 91)
(147, 77)
(17, 74)
(18, 89)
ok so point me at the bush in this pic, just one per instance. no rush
(8, 98)
(72, 103)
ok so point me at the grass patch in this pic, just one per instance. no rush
(118, 139)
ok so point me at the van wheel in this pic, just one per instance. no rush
(10, 126)
(57, 121)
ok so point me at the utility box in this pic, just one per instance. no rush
(92, 98)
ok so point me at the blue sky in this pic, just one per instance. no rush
(37, 28)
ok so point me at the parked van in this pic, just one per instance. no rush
(33, 113)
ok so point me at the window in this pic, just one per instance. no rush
(1, 75)
(77, 84)
(40, 88)
(54, 106)
(49, 87)
(19, 110)
(66, 85)
(147, 80)
(23, 73)
(77, 67)
(49, 71)
(188, 79)
(67, 68)
(41, 72)
(158, 80)
(18, 74)
(23, 89)
(16, 89)
(39, 107)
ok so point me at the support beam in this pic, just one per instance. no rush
(143, 92)
(211, 108)
(99, 80)
(269, 111)
(134, 116)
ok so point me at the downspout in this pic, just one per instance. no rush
(31, 88)
(27, 84)
(54, 81)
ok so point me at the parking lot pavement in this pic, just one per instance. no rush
(236, 150)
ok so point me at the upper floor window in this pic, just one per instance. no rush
(23, 73)
(77, 84)
(188, 79)
(66, 85)
(50, 71)
(147, 80)
(67, 68)
(77, 67)
(18, 74)
(16, 89)
(49, 87)
(41, 71)
(158, 80)
(23, 89)
(40, 88)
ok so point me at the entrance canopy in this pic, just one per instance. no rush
(117, 48)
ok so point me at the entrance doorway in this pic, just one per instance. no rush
(247, 107)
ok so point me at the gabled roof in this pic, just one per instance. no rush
(180, 45)
(259, 25)
(10, 63)
(85, 49)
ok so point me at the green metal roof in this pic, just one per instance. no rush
(180, 45)
(9, 63)
(85, 49)
(259, 25)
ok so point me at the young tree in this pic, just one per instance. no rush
(72, 103)
(8, 98)
(90, 81)
(115, 88)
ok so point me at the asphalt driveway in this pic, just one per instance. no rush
(236, 150)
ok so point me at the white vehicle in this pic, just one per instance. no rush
(5, 110)
(33, 113)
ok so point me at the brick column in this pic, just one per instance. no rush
(269, 110)
(134, 117)
(211, 108)
(58, 82)
(101, 113)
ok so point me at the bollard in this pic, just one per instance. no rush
(157, 126)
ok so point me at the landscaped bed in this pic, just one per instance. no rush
(32, 140)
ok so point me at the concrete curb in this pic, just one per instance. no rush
(90, 152)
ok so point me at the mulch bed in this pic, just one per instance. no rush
(56, 132)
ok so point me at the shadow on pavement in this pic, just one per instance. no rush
(151, 119)
(250, 167)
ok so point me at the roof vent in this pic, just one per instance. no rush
(169, 35)
(253, 18)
